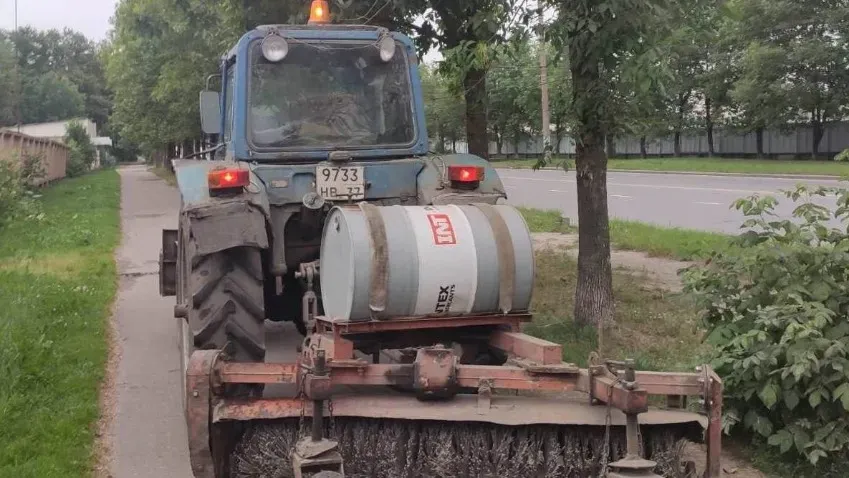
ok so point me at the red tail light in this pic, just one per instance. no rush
(465, 174)
(228, 178)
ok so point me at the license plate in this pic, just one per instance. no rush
(340, 183)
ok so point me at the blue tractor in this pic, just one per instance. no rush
(389, 270)
(308, 117)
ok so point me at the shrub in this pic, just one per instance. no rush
(842, 156)
(17, 190)
(83, 152)
(775, 308)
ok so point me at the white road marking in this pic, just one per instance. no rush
(709, 203)
(557, 191)
(620, 196)
(657, 186)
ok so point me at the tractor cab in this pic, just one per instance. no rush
(305, 93)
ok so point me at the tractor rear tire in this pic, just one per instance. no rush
(226, 303)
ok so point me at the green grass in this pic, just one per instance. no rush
(164, 173)
(551, 220)
(57, 283)
(674, 243)
(712, 165)
(657, 329)
(656, 241)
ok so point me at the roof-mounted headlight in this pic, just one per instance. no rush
(275, 48)
(387, 48)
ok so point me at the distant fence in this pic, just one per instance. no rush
(53, 154)
(793, 142)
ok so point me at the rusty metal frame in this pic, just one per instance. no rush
(199, 402)
(534, 366)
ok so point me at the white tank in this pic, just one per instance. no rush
(385, 262)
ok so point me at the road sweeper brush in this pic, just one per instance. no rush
(419, 368)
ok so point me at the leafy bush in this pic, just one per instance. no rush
(83, 152)
(775, 308)
(843, 156)
(17, 193)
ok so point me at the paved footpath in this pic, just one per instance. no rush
(147, 434)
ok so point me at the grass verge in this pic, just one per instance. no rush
(674, 243)
(165, 174)
(657, 329)
(711, 165)
(57, 283)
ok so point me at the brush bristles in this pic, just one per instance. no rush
(409, 449)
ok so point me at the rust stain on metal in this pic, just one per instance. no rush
(198, 400)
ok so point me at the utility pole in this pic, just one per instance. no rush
(543, 83)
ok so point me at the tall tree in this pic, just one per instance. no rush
(600, 35)
(465, 30)
(9, 95)
(802, 44)
(58, 64)
(444, 109)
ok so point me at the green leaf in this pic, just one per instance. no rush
(783, 440)
(769, 394)
(815, 398)
(791, 398)
(842, 393)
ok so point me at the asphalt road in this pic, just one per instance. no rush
(671, 200)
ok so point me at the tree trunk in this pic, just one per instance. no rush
(677, 144)
(611, 146)
(440, 147)
(516, 145)
(682, 104)
(759, 140)
(475, 88)
(819, 132)
(594, 291)
(643, 150)
(709, 126)
(454, 145)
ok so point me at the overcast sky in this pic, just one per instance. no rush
(91, 17)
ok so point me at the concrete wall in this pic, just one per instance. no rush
(793, 142)
(54, 155)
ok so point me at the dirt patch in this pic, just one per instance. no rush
(657, 272)
(732, 467)
(108, 398)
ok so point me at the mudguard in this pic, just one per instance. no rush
(433, 186)
(220, 223)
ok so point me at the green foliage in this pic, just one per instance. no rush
(62, 76)
(50, 97)
(18, 176)
(775, 309)
(444, 109)
(83, 152)
(843, 156)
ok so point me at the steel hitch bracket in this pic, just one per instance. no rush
(316, 453)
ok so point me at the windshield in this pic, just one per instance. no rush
(327, 95)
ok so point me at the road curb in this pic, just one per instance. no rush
(746, 175)
(698, 173)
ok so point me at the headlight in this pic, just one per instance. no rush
(275, 48)
(387, 48)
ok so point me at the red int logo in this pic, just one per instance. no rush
(443, 231)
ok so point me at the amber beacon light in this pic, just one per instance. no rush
(319, 12)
